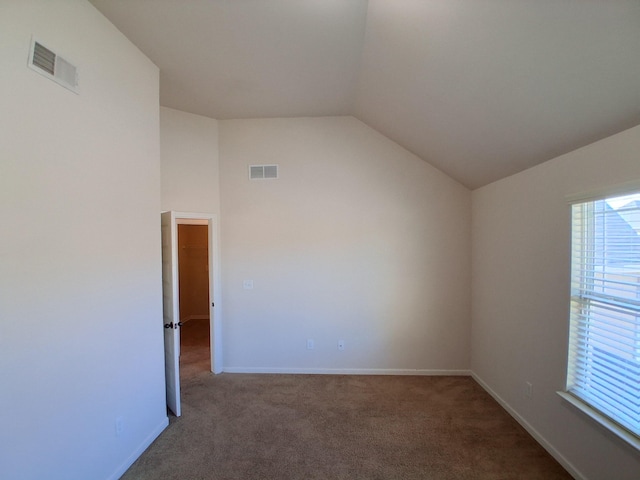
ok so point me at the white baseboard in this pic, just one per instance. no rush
(140, 450)
(346, 371)
(573, 471)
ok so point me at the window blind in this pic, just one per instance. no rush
(604, 349)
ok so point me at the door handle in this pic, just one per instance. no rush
(173, 325)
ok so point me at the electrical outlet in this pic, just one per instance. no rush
(310, 344)
(528, 390)
(341, 345)
(119, 426)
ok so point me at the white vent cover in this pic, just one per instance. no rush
(53, 66)
(257, 172)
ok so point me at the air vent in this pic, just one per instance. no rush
(53, 66)
(258, 172)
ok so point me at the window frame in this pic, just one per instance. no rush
(593, 412)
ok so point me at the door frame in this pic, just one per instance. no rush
(215, 294)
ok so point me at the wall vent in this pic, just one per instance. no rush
(53, 66)
(257, 172)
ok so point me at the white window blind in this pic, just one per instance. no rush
(604, 349)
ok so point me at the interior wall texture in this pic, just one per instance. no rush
(520, 295)
(189, 162)
(357, 240)
(81, 348)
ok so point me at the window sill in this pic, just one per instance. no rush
(603, 421)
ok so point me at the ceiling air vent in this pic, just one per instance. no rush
(53, 66)
(257, 172)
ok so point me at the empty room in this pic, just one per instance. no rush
(417, 243)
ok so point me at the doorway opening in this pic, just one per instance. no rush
(194, 298)
(172, 314)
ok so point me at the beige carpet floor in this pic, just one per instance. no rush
(246, 427)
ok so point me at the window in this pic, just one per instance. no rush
(604, 346)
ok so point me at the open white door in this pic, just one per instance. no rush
(171, 311)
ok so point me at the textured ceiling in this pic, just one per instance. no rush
(481, 89)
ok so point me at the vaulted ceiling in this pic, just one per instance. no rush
(481, 89)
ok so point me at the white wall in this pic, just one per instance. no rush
(189, 162)
(80, 302)
(521, 260)
(357, 240)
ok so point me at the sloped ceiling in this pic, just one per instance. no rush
(481, 89)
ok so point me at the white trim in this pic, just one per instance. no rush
(155, 433)
(603, 192)
(184, 217)
(603, 421)
(573, 471)
(215, 266)
(347, 371)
